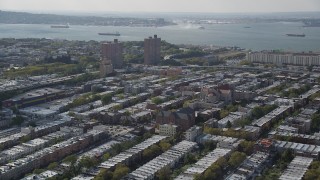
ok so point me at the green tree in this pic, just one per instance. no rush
(164, 173)
(236, 159)
(232, 108)
(32, 124)
(287, 155)
(209, 146)
(136, 59)
(52, 165)
(127, 113)
(86, 61)
(257, 112)
(312, 174)
(315, 165)
(70, 159)
(38, 171)
(116, 149)
(106, 99)
(121, 96)
(106, 156)
(214, 172)
(197, 177)
(120, 171)
(313, 171)
(222, 162)
(157, 100)
(209, 174)
(246, 147)
(246, 62)
(147, 135)
(98, 177)
(315, 122)
(25, 139)
(104, 174)
(224, 113)
(229, 125)
(18, 120)
(190, 159)
(117, 107)
(164, 146)
(150, 152)
(87, 162)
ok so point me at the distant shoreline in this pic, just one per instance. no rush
(261, 36)
(52, 19)
(311, 19)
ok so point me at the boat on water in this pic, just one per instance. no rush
(110, 34)
(296, 35)
(60, 26)
(202, 28)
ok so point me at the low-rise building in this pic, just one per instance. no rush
(22, 150)
(209, 113)
(130, 155)
(250, 167)
(287, 129)
(135, 88)
(83, 177)
(265, 122)
(211, 123)
(252, 131)
(184, 118)
(233, 118)
(168, 159)
(203, 164)
(222, 141)
(38, 113)
(34, 97)
(168, 129)
(44, 175)
(5, 117)
(295, 137)
(265, 145)
(192, 133)
(298, 124)
(100, 150)
(304, 59)
(306, 150)
(17, 168)
(297, 168)
(42, 130)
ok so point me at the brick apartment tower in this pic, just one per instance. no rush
(105, 67)
(113, 52)
(152, 50)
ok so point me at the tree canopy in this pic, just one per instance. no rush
(18, 120)
(236, 159)
(120, 171)
(157, 100)
(106, 99)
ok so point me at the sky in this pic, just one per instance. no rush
(212, 6)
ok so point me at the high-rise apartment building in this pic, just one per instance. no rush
(152, 50)
(286, 58)
(105, 67)
(113, 52)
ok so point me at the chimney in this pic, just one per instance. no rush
(115, 40)
(155, 36)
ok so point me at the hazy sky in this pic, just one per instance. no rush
(162, 5)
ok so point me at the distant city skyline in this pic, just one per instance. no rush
(210, 6)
